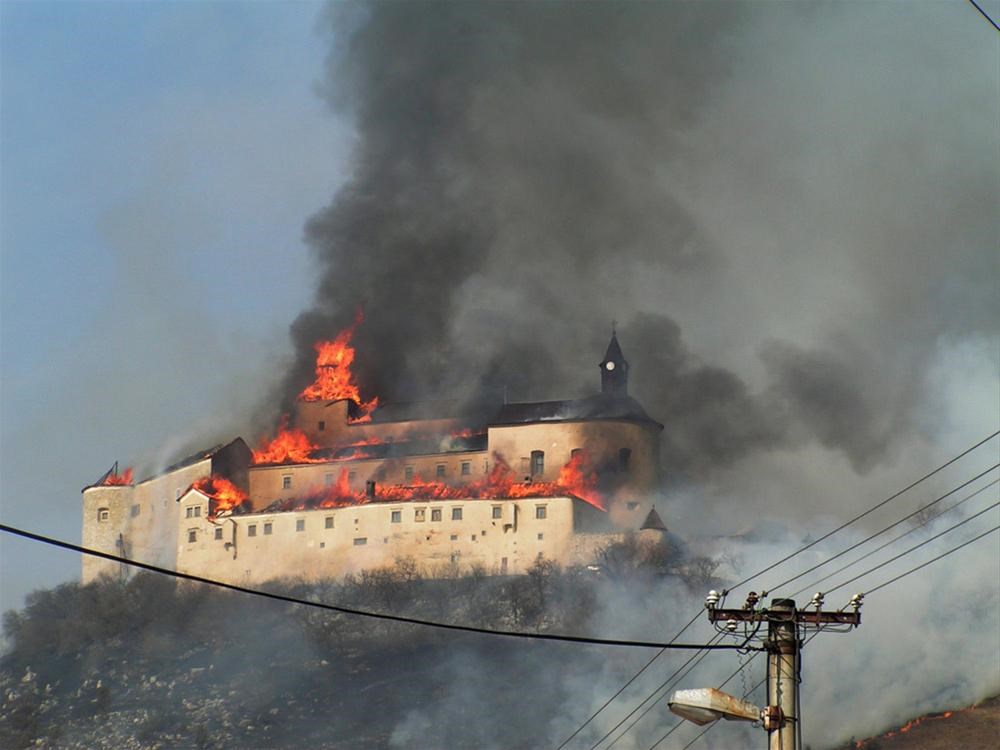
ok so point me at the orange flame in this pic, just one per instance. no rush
(334, 379)
(577, 478)
(223, 495)
(118, 480)
(290, 445)
(907, 727)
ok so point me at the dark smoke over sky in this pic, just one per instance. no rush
(790, 210)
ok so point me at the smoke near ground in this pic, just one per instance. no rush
(788, 210)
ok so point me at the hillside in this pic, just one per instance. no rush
(975, 726)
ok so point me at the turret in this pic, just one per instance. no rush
(614, 369)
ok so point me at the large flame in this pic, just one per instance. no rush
(577, 478)
(334, 379)
(114, 479)
(290, 445)
(222, 494)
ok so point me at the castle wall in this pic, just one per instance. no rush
(240, 549)
(327, 424)
(628, 485)
(141, 522)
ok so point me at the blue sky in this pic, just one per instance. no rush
(157, 162)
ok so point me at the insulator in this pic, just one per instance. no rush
(817, 600)
(857, 600)
(712, 599)
(731, 625)
(752, 600)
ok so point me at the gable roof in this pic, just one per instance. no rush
(601, 406)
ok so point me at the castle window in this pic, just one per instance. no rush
(286, 482)
(351, 476)
(435, 514)
(300, 524)
(419, 514)
(624, 457)
(541, 537)
(218, 533)
(575, 452)
(360, 541)
(103, 514)
(439, 471)
(321, 426)
(454, 537)
(503, 565)
(537, 463)
(396, 516)
(541, 511)
(408, 473)
(328, 480)
(252, 530)
(456, 514)
(329, 522)
(192, 536)
(466, 468)
(497, 511)
(473, 537)
(632, 505)
(268, 528)
(135, 510)
(192, 511)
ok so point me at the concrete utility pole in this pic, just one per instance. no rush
(783, 645)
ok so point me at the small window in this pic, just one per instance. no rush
(300, 524)
(268, 528)
(439, 471)
(456, 514)
(435, 514)
(135, 510)
(192, 536)
(252, 530)
(473, 537)
(396, 516)
(408, 473)
(541, 511)
(497, 511)
(103, 514)
(575, 453)
(218, 533)
(419, 514)
(537, 463)
(454, 537)
(632, 505)
(328, 480)
(466, 468)
(351, 476)
(360, 541)
(624, 457)
(328, 522)
(286, 482)
(321, 426)
(541, 536)
(177, 494)
(197, 511)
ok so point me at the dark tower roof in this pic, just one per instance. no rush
(653, 521)
(614, 369)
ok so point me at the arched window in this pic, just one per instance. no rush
(537, 463)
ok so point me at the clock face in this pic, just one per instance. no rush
(610, 366)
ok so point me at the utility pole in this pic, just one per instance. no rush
(783, 645)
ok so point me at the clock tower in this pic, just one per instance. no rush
(614, 369)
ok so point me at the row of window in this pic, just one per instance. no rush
(358, 541)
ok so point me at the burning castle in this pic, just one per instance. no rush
(349, 484)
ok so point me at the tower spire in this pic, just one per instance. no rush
(614, 367)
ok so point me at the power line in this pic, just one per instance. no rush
(361, 612)
(622, 689)
(882, 531)
(922, 565)
(773, 565)
(985, 15)
(895, 539)
(871, 510)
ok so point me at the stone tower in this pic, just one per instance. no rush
(614, 369)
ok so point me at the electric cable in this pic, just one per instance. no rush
(360, 612)
(882, 531)
(918, 567)
(632, 679)
(895, 539)
(645, 700)
(871, 510)
(985, 14)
